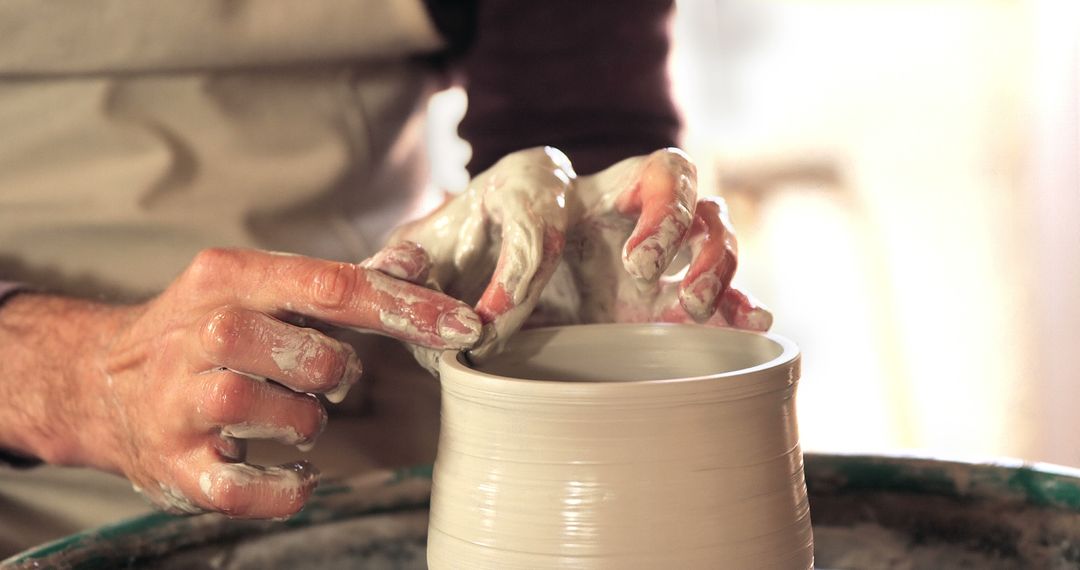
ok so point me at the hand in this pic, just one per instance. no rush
(184, 379)
(629, 223)
(621, 229)
(495, 246)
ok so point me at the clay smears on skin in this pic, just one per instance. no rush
(297, 352)
(170, 500)
(288, 480)
(459, 328)
(399, 324)
(542, 177)
(406, 260)
(353, 371)
(393, 288)
(284, 434)
(699, 298)
(649, 258)
(607, 280)
(173, 501)
(605, 225)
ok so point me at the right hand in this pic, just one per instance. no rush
(181, 380)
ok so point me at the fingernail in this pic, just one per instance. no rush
(353, 371)
(306, 446)
(459, 327)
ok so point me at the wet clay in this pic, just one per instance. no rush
(622, 446)
(507, 219)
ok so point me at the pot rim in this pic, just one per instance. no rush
(454, 363)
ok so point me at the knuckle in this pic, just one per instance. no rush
(335, 285)
(414, 258)
(407, 251)
(210, 264)
(312, 419)
(228, 399)
(413, 250)
(404, 260)
(220, 334)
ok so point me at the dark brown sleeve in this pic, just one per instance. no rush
(587, 77)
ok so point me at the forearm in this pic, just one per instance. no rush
(46, 370)
(580, 76)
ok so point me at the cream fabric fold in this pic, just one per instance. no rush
(97, 36)
(277, 125)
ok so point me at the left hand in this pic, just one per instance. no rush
(630, 222)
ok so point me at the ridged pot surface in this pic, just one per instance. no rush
(622, 446)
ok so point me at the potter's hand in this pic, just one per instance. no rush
(495, 245)
(181, 378)
(628, 223)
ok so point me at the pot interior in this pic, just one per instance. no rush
(633, 353)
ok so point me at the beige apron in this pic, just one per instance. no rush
(134, 133)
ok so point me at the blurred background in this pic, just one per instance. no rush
(905, 180)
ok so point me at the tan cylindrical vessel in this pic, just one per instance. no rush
(622, 446)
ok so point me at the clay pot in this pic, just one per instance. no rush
(622, 446)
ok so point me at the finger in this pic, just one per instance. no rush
(525, 266)
(342, 294)
(663, 198)
(737, 309)
(404, 260)
(525, 193)
(240, 490)
(743, 311)
(714, 258)
(243, 408)
(259, 345)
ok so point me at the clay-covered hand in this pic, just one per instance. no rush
(496, 245)
(183, 378)
(628, 223)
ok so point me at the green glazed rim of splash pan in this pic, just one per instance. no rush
(1007, 482)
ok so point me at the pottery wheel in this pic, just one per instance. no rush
(871, 512)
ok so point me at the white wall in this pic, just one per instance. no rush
(903, 175)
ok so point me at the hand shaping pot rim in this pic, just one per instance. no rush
(768, 361)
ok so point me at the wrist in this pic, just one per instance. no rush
(49, 379)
